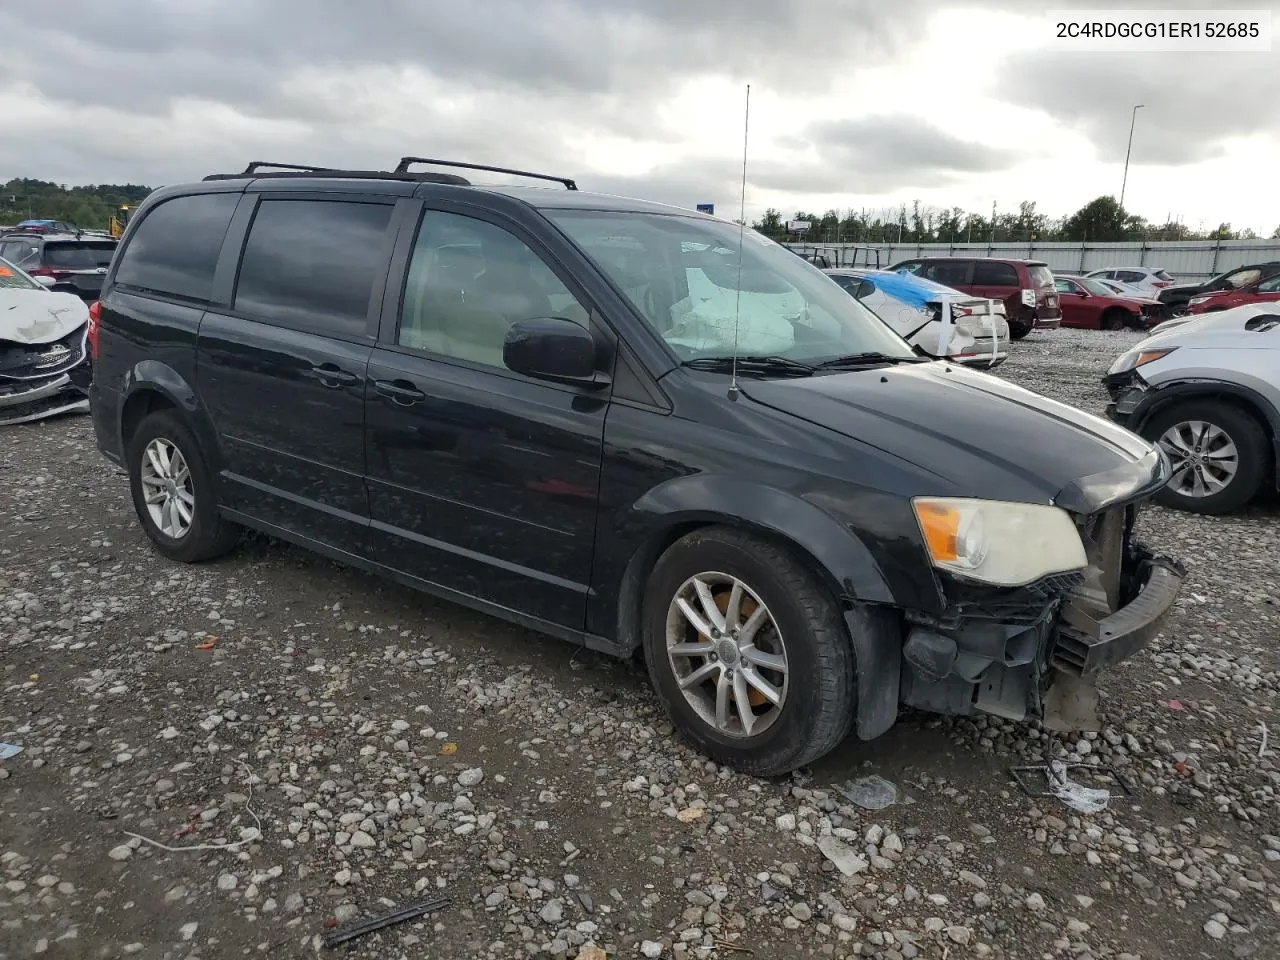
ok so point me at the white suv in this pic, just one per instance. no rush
(1207, 392)
(1148, 280)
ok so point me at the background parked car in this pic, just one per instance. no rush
(1178, 298)
(75, 263)
(1261, 291)
(47, 226)
(1147, 279)
(1025, 286)
(1092, 305)
(1208, 392)
(43, 359)
(912, 307)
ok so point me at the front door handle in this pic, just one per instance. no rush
(402, 392)
(331, 375)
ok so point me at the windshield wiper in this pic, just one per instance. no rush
(752, 364)
(865, 359)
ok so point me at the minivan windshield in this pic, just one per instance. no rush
(682, 275)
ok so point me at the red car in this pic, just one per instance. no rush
(1254, 290)
(1094, 306)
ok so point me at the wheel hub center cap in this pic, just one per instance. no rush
(727, 651)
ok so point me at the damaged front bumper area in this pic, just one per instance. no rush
(1036, 651)
(43, 380)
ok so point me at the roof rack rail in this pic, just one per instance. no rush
(403, 167)
(258, 164)
(285, 171)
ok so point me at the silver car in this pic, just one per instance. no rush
(1207, 391)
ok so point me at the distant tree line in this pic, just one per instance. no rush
(90, 207)
(1100, 220)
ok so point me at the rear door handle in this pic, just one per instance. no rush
(331, 375)
(401, 391)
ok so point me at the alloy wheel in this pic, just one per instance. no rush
(727, 654)
(1204, 458)
(167, 488)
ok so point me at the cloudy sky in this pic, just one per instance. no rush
(854, 103)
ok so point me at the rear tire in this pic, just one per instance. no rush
(801, 632)
(1176, 430)
(174, 492)
(1019, 329)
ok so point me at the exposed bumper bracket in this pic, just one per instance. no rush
(1089, 644)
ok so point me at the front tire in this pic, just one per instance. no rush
(748, 652)
(1219, 453)
(1115, 320)
(173, 491)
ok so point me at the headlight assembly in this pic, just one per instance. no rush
(1137, 358)
(1005, 544)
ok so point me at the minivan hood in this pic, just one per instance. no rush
(982, 436)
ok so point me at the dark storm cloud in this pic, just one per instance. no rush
(881, 154)
(530, 75)
(1191, 102)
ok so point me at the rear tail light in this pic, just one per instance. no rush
(1028, 298)
(1161, 283)
(46, 272)
(95, 321)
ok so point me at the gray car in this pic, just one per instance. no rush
(1207, 391)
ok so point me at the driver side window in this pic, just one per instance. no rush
(469, 281)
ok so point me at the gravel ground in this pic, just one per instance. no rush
(356, 746)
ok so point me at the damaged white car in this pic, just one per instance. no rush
(44, 361)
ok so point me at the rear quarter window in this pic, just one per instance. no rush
(1041, 276)
(174, 250)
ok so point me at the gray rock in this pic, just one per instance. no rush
(960, 935)
(122, 852)
(651, 949)
(471, 778)
(1215, 929)
(553, 912)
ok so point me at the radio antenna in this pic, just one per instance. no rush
(742, 232)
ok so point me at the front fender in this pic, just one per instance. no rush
(845, 560)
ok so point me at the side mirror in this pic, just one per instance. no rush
(552, 348)
(45, 281)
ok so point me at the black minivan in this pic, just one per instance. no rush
(633, 426)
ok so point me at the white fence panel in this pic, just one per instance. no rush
(1185, 259)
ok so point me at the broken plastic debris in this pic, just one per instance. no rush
(1076, 795)
(870, 793)
(449, 749)
(845, 858)
(8, 750)
(374, 924)
(207, 644)
(1175, 705)
(1058, 784)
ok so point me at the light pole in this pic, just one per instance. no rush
(1125, 182)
